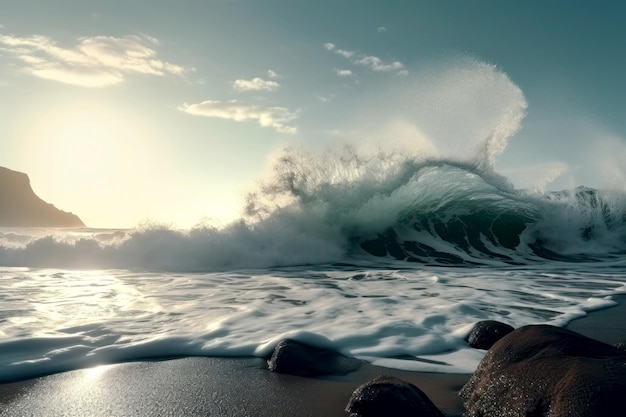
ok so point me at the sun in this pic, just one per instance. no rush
(92, 156)
(84, 144)
(88, 143)
(116, 164)
(87, 146)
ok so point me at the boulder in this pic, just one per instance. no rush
(295, 358)
(386, 396)
(547, 371)
(487, 332)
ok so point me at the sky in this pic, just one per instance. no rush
(135, 111)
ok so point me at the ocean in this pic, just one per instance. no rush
(390, 258)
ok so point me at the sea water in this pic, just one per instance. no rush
(405, 317)
(386, 253)
(395, 273)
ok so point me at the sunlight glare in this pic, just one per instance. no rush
(93, 373)
(86, 143)
(99, 159)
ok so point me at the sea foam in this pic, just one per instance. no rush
(56, 320)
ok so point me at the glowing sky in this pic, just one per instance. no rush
(128, 111)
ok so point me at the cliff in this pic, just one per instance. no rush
(20, 206)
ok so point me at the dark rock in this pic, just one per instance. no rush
(20, 207)
(487, 332)
(295, 358)
(547, 371)
(389, 396)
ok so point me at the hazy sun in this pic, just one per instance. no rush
(95, 158)
(87, 146)
(112, 166)
(84, 144)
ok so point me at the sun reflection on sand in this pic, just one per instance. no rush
(93, 373)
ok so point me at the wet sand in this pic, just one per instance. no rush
(234, 386)
(201, 387)
(607, 325)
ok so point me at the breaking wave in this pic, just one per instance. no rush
(438, 212)
(430, 194)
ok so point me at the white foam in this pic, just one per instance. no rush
(55, 320)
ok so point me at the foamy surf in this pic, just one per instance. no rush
(56, 320)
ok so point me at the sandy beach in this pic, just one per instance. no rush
(234, 386)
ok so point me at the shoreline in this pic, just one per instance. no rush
(606, 324)
(238, 386)
(201, 386)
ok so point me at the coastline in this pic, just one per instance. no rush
(606, 325)
(237, 386)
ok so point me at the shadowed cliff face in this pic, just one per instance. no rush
(20, 206)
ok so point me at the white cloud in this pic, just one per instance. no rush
(154, 40)
(255, 84)
(372, 62)
(278, 118)
(96, 61)
(324, 99)
(273, 75)
(378, 64)
(341, 52)
(343, 72)
(381, 29)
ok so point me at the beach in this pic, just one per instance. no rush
(209, 386)
(376, 189)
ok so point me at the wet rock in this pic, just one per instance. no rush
(487, 332)
(547, 371)
(389, 396)
(295, 358)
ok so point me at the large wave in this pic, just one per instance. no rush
(426, 191)
(438, 212)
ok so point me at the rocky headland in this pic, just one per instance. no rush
(21, 207)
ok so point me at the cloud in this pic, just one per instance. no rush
(323, 98)
(255, 84)
(378, 64)
(341, 52)
(278, 118)
(273, 75)
(343, 72)
(97, 61)
(381, 29)
(372, 62)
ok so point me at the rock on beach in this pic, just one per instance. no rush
(390, 396)
(487, 332)
(296, 358)
(547, 371)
